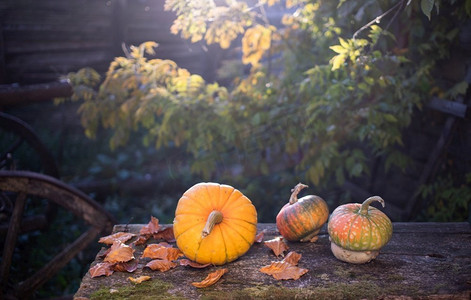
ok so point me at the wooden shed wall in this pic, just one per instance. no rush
(42, 40)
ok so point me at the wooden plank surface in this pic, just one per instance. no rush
(422, 261)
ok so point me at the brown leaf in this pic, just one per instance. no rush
(187, 262)
(282, 270)
(139, 279)
(161, 265)
(277, 245)
(161, 252)
(165, 234)
(142, 239)
(119, 253)
(151, 228)
(129, 266)
(101, 269)
(259, 237)
(118, 236)
(211, 279)
(292, 258)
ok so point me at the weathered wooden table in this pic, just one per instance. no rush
(422, 261)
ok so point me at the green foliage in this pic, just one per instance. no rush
(449, 201)
(338, 98)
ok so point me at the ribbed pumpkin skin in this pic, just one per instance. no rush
(229, 239)
(351, 230)
(299, 220)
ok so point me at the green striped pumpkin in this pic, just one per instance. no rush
(360, 227)
(301, 219)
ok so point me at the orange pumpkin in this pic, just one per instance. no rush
(214, 223)
(301, 220)
(358, 231)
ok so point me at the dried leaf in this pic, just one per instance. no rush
(187, 262)
(118, 236)
(161, 265)
(259, 237)
(151, 228)
(119, 252)
(211, 279)
(104, 254)
(165, 234)
(141, 240)
(292, 258)
(277, 245)
(129, 266)
(282, 270)
(139, 279)
(155, 251)
(101, 269)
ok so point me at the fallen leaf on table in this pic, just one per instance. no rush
(101, 269)
(277, 245)
(259, 236)
(187, 262)
(151, 228)
(165, 234)
(141, 240)
(119, 252)
(129, 266)
(211, 279)
(292, 258)
(161, 252)
(139, 279)
(161, 265)
(282, 270)
(118, 236)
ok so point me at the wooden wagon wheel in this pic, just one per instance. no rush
(22, 184)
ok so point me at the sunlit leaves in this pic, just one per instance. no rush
(255, 43)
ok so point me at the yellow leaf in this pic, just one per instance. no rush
(255, 42)
(339, 49)
(139, 279)
(337, 61)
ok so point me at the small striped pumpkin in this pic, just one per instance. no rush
(357, 228)
(301, 219)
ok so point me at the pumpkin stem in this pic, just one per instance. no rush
(215, 217)
(295, 191)
(367, 202)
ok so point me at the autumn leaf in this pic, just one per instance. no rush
(277, 245)
(139, 279)
(119, 252)
(255, 42)
(211, 279)
(101, 269)
(282, 270)
(292, 258)
(151, 228)
(118, 236)
(259, 237)
(161, 265)
(165, 234)
(187, 262)
(155, 251)
(129, 266)
(141, 240)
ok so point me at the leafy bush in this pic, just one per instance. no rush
(321, 101)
